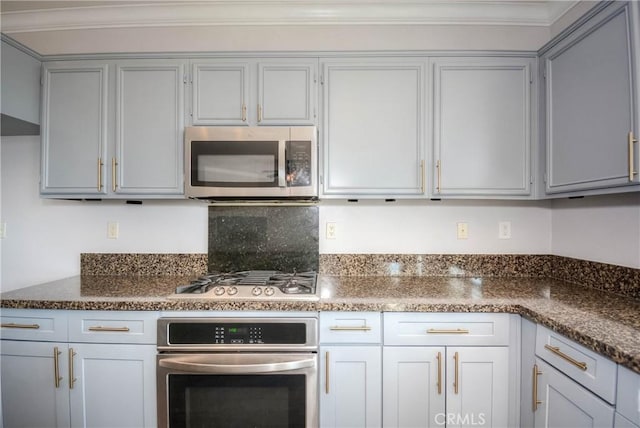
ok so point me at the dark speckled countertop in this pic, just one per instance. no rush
(602, 321)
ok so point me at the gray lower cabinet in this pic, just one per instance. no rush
(373, 127)
(628, 399)
(591, 92)
(50, 379)
(113, 130)
(565, 404)
(242, 92)
(350, 370)
(482, 116)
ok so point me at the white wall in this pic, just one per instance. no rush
(430, 227)
(45, 237)
(598, 228)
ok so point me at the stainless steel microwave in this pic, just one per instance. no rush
(251, 162)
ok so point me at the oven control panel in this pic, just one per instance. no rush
(210, 332)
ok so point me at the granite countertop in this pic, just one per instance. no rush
(601, 321)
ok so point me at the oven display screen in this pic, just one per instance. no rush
(186, 333)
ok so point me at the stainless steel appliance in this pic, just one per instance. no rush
(251, 162)
(237, 372)
(251, 285)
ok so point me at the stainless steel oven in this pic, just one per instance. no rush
(237, 372)
(251, 162)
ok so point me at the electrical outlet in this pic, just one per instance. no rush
(331, 230)
(463, 231)
(504, 230)
(112, 230)
(3, 230)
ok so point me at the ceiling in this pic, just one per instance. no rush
(34, 23)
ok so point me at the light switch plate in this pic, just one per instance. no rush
(463, 231)
(113, 230)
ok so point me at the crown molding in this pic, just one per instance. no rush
(286, 12)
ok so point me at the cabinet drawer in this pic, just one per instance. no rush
(350, 327)
(586, 367)
(445, 329)
(113, 327)
(628, 404)
(34, 324)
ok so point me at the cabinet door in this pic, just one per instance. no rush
(149, 128)
(31, 397)
(220, 92)
(565, 404)
(114, 386)
(482, 126)
(414, 389)
(590, 80)
(74, 129)
(351, 390)
(287, 92)
(373, 127)
(478, 386)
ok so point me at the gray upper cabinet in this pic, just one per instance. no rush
(591, 103)
(74, 128)
(373, 127)
(482, 127)
(113, 129)
(278, 91)
(148, 156)
(220, 92)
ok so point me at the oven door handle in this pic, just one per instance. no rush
(282, 163)
(184, 365)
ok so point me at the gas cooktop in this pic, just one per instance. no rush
(251, 285)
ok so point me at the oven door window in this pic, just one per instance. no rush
(234, 163)
(240, 401)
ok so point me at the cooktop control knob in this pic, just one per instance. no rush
(232, 290)
(256, 291)
(218, 291)
(269, 291)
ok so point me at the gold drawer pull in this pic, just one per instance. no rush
(340, 328)
(112, 329)
(56, 367)
(72, 379)
(439, 358)
(632, 141)
(556, 350)
(326, 372)
(456, 331)
(14, 325)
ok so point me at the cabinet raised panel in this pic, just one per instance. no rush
(591, 104)
(482, 126)
(220, 93)
(149, 129)
(373, 127)
(74, 129)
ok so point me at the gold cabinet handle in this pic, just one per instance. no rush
(439, 173)
(114, 179)
(357, 328)
(456, 359)
(456, 331)
(72, 379)
(14, 325)
(259, 113)
(100, 174)
(56, 367)
(421, 176)
(632, 141)
(556, 350)
(326, 372)
(244, 112)
(111, 329)
(439, 358)
(536, 373)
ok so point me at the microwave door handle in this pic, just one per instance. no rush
(282, 163)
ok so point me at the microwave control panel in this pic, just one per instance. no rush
(299, 158)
